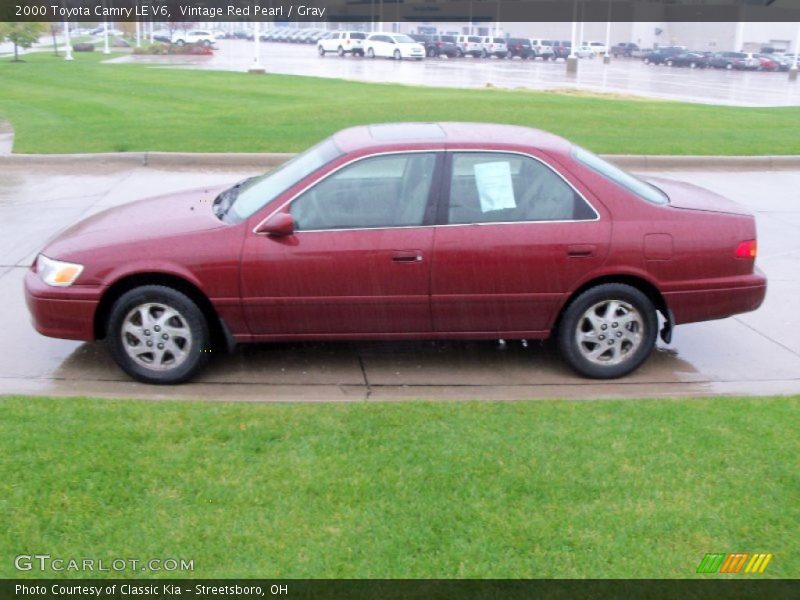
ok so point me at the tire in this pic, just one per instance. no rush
(670, 63)
(206, 43)
(646, 61)
(624, 339)
(484, 54)
(340, 51)
(692, 65)
(370, 53)
(397, 55)
(321, 50)
(460, 53)
(430, 53)
(186, 330)
(180, 43)
(729, 66)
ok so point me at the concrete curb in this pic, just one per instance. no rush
(260, 160)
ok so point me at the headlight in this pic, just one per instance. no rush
(56, 272)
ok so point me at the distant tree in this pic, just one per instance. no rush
(22, 35)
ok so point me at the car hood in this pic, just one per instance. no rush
(187, 212)
(687, 196)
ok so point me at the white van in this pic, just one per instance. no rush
(343, 42)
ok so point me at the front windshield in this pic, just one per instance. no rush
(633, 184)
(403, 39)
(257, 192)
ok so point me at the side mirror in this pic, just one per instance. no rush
(280, 224)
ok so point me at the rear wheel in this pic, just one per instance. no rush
(431, 53)
(693, 65)
(158, 335)
(647, 61)
(370, 53)
(397, 55)
(340, 51)
(729, 66)
(321, 50)
(608, 331)
(670, 63)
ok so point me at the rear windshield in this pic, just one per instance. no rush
(633, 184)
(357, 35)
(473, 38)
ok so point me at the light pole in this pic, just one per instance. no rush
(256, 68)
(793, 70)
(572, 59)
(67, 42)
(106, 49)
(607, 55)
(138, 35)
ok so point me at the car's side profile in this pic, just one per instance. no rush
(404, 231)
(343, 42)
(393, 45)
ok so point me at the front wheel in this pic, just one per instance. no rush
(397, 55)
(340, 51)
(608, 331)
(321, 50)
(370, 53)
(158, 335)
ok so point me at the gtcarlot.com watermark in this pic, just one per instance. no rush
(46, 562)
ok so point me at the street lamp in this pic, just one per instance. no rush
(572, 59)
(793, 70)
(607, 55)
(256, 68)
(68, 55)
(106, 49)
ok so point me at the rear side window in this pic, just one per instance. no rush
(636, 186)
(502, 188)
(358, 36)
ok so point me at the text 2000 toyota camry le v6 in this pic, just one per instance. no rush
(404, 231)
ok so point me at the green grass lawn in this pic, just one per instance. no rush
(529, 489)
(86, 106)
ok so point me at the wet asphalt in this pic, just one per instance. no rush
(622, 76)
(755, 353)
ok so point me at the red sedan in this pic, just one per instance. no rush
(404, 231)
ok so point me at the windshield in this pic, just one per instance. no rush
(403, 39)
(633, 184)
(253, 194)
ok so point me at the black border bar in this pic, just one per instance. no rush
(475, 11)
(729, 588)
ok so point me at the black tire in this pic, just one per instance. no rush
(191, 320)
(431, 53)
(180, 43)
(573, 319)
(370, 53)
(321, 50)
(397, 55)
(340, 51)
(670, 63)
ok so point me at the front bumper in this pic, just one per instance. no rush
(61, 312)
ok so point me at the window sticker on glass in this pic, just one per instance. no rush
(495, 187)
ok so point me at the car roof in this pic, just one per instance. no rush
(446, 134)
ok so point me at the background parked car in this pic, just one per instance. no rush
(784, 63)
(561, 48)
(767, 63)
(585, 51)
(494, 46)
(194, 36)
(735, 60)
(470, 45)
(519, 47)
(343, 42)
(393, 45)
(693, 60)
(599, 48)
(624, 49)
(542, 49)
(446, 46)
(660, 55)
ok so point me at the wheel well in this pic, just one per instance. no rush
(644, 286)
(173, 281)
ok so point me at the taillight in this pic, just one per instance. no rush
(747, 249)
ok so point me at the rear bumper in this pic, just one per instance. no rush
(717, 303)
(61, 312)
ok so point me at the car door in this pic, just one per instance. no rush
(514, 236)
(358, 261)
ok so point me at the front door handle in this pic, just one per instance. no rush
(580, 250)
(407, 256)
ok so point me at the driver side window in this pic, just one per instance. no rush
(382, 191)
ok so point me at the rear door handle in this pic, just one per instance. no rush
(407, 256)
(580, 250)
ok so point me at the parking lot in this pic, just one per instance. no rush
(623, 76)
(755, 353)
